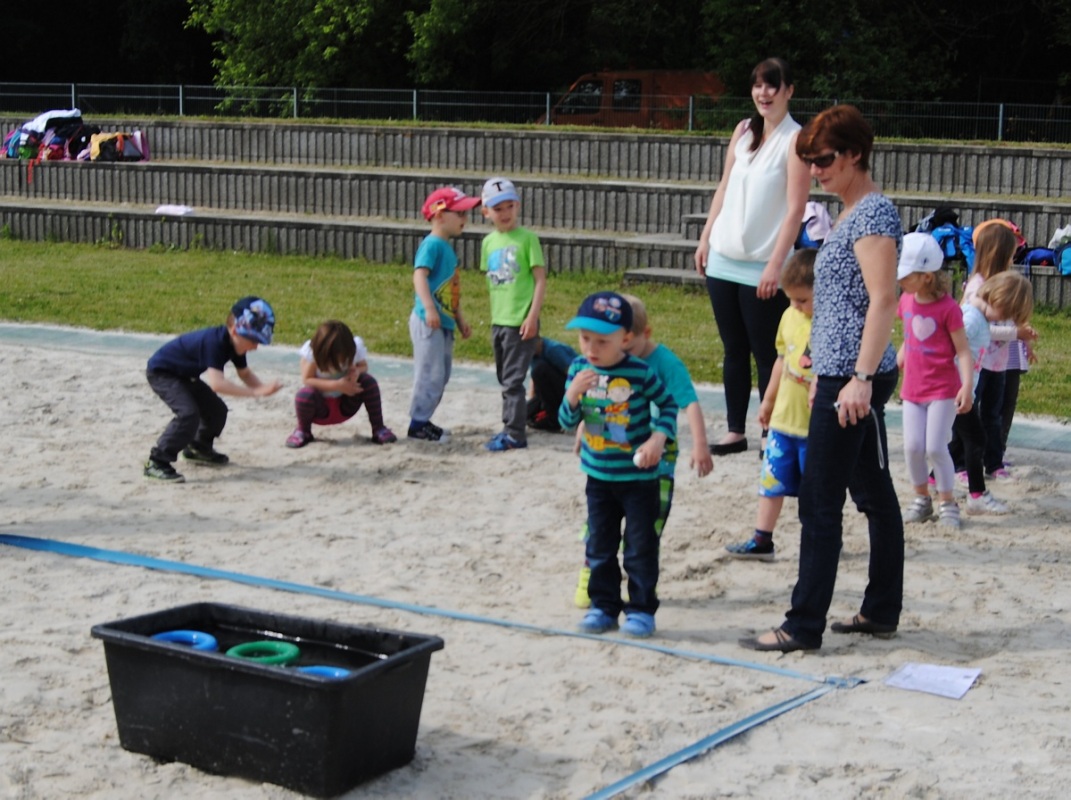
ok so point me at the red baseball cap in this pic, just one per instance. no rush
(447, 199)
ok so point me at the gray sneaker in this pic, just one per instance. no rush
(948, 515)
(162, 471)
(920, 510)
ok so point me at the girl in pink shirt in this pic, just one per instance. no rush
(935, 389)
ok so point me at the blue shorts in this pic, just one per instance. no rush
(782, 465)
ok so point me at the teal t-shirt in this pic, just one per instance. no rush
(674, 374)
(508, 259)
(439, 259)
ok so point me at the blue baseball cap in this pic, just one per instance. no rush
(602, 312)
(253, 319)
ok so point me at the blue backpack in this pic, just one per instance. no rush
(956, 243)
(1062, 258)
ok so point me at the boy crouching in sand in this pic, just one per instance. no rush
(622, 446)
(175, 374)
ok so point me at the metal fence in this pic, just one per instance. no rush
(891, 118)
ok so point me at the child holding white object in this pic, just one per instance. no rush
(935, 386)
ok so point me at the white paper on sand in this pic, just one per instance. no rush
(174, 210)
(944, 681)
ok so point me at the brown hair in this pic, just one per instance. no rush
(333, 348)
(639, 313)
(1011, 294)
(994, 248)
(842, 129)
(775, 72)
(798, 272)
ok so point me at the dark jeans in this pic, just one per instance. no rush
(989, 395)
(638, 504)
(969, 435)
(200, 414)
(1012, 378)
(852, 459)
(748, 327)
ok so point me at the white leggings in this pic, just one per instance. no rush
(927, 431)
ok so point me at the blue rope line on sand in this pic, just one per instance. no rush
(132, 559)
(708, 743)
(645, 774)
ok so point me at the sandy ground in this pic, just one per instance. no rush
(509, 713)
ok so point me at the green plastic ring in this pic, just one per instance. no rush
(267, 652)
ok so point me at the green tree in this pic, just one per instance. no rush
(311, 43)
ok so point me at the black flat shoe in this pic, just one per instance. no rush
(860, 625)
(783, 643)
(739, 446)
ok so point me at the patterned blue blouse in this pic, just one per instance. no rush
(840, 296)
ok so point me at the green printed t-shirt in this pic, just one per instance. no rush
(508, 259)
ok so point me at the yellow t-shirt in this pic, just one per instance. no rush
(791, 414)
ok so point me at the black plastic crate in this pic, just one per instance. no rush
(230, 716)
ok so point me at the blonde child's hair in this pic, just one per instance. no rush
(333, 348)
(798, 272)
(639, 313)
(1011, 294)
(994, 249)
(939, 282)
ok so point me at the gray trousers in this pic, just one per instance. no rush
(433, 356)
(513, 356)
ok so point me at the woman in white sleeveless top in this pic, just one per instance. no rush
(753, 223)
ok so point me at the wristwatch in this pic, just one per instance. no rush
(865, 377)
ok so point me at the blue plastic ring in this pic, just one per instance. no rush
(325, 672)
(198, 640)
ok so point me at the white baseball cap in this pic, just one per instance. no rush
(498, 190)
(919, 253)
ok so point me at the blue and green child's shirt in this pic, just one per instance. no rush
(617, 418)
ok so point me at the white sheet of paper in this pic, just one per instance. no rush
(944, 681)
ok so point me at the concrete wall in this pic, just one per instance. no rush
(899, 167)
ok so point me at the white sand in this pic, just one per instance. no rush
(509, 713)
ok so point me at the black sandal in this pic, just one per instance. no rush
(860, 625)
(783, 643)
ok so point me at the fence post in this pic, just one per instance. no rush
(181, 102)
(74, 97)
(1000, 122)
(691, 112)
(547, 114)
(415, 105)
(293, 89)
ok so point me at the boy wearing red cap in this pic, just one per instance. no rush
(437, 308)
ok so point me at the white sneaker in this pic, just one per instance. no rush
(948, 514)
(920, 510)
(985, 503)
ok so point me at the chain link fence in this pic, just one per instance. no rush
(1016, 122)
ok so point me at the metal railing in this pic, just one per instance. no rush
(891, 118)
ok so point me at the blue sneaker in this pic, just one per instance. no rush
(596, 621)
(638, 624)
(502, 442)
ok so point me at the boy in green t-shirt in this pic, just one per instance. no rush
(517, 280)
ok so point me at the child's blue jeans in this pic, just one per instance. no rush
(637, 503)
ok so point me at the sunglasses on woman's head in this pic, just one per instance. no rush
(822, 162)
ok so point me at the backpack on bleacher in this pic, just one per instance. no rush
(956, 243)
(1062, 258)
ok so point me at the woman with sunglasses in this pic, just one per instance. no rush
(854, 364)
(753, 222)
